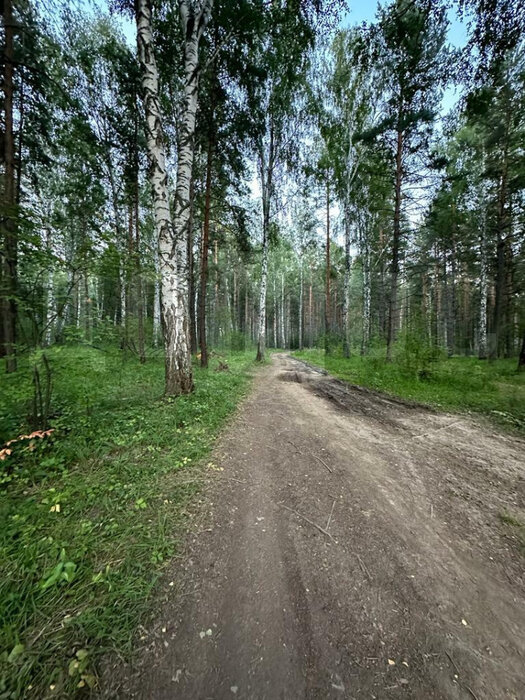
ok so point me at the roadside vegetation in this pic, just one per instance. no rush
(493, 389)
(516, 528)
(91, 511)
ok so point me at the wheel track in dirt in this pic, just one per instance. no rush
(415, 549)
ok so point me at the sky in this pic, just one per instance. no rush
(365, 10)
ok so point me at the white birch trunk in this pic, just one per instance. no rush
(122, 286)
(346, 285)
(301, 302)
(50, 311)
(156, 314)
(172, 238)
(266, 174)
(78, 301)
(283, 332)
(274, 314)
(261, 341)
(483, 290)
(367, 295)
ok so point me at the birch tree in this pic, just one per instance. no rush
(194, 16)
(173, 236)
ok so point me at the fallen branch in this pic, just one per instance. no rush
(330, 516)
(314, 456)
(459, 676)
(323, 463)
(452, 662)
(363, 567)
(311, 522)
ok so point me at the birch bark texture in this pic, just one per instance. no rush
(483, 285)
(194, 17)
(172, 237)
(266, 167)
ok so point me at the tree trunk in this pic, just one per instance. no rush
(140, 301)
(172, 237)
(283, 320)
(327, 318)
(483, 284)
(500, 310)
(156, 305)
(88, 320)
(192, 301)
(228, 320)
(392, 301)
(217, 329)
(365, 256)
(204, 259)
(509, 284)
(383, 301)
(310, 310)
(122, 293)
(247, 326)
(9, 260)
(452, 311)
(128, 281)
(301, 303)
(266, 175)
(445, 302)
(275, 338)
(521, 360)
(346, 286)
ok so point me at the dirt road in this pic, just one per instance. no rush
(352, 548)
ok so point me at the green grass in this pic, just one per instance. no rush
(90, 515)
(457, 384)
(509, 519)
(517, 528)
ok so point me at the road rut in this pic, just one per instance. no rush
(351, 547)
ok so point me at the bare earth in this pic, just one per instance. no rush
(350, 548)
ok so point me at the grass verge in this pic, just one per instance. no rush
(90, 514)
(458, 383)
(516, 528)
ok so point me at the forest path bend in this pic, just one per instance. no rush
(352, 548)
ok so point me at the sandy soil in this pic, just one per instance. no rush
(350, 548)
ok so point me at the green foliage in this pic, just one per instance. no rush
(458, 383)
(417, 357)
(237, 341)
(90, 515)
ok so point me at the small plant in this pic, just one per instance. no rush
(509, 519)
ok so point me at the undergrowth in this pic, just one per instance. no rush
(90, 513)
(458, 383)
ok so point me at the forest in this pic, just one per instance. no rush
(192, 189)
